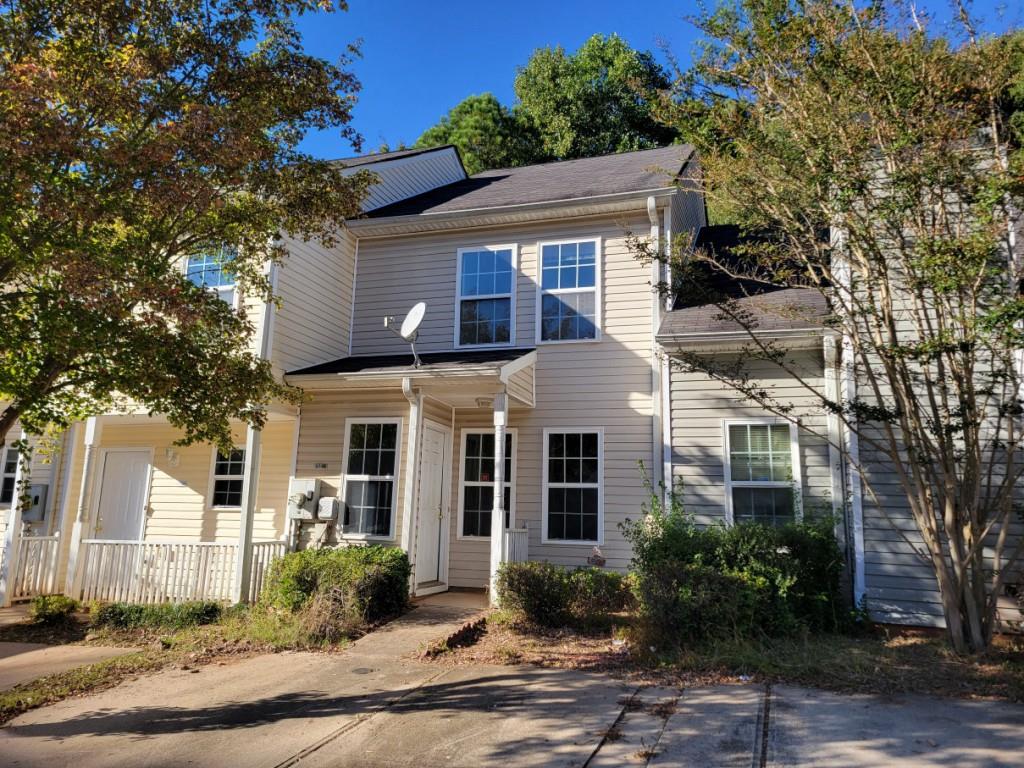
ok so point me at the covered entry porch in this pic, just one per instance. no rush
(142, 519)
(425, 456)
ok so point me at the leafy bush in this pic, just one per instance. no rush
(551, 596)
(741, 581)
(52, 609)
(374, 580)
(160, 616)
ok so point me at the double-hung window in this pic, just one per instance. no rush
(476, 499)
(371, 477)
(213, 271)
(573, 507)
(762, 472)
(228, 474)
(8, 471)
(569, 302)
(486, 296)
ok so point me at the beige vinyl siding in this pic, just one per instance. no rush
(700, 407)
(397, 272)
(43, 469)
(405, 177)
(520, 385)
(179, 498)
(600, 385)
(315, 287)
(322, 440)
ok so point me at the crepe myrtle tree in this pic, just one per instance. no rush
(134, 135)
(881, 166)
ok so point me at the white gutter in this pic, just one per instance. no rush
(419, 222)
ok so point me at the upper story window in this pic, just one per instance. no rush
(213, 271)
(486, 296)
(762, 472)
(569, 305)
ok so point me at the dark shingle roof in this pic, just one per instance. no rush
(770, 307)
(550, 182)
(404, 362)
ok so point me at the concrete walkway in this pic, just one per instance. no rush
(21, 662)
(376, 705)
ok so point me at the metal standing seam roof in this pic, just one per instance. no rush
(403, 363)
(621, 173)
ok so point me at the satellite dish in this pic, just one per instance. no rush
(410, 328)
(411, 324)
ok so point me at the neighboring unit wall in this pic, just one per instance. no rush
(406, 177)
(700, 406)
(314, 284)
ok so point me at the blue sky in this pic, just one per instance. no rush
(422, 58)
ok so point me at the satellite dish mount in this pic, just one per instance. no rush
(409, 330)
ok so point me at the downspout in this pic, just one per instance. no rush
(415, 398)
(834, 432)
(666, 380)
(657, 401)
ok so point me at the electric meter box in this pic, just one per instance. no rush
(327, 509)
(36, 512)
(303, 495)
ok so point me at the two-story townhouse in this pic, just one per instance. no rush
(539, 371)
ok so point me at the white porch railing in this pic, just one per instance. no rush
(158, 572)
(35, 568)
(516, 545)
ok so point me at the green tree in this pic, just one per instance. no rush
(134, 135)
(487, 134)
(596, 101)
(814, 116)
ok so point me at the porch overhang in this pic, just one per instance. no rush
(729, 342)
(461, 378)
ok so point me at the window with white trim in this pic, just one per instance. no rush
(761, 472)
(486, 284)
(228, 476)
(476, 490)
(371, 477)
(572, 486)
(568, 291)
(213, 271)
(8, 471)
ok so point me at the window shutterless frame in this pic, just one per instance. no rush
(210, 271)
(510, 482)
(546, 485)
(596, 290)
(796, 483)
(8, 472)
(214, 477)
(346, 477)
(461, 295)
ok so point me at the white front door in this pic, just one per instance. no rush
(432, 512)
(122, 494)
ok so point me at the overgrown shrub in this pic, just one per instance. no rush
(52, 609)
(159, 616)
(374, 579)
(550, 596)
(740, 581)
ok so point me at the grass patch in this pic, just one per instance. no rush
(884, 660)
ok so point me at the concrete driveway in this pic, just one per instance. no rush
(375, 705)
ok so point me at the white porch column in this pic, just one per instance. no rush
(93, 434)
(250, 489)
(498, 511)
(12, 535)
